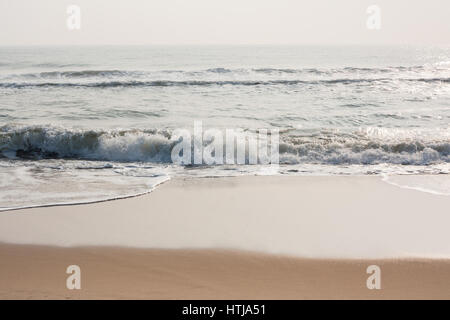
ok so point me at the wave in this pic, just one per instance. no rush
(107, 73)
(78, 74)
(58, 65)
(37, 142)
(155, 146)
(332, 71)
(164, 83)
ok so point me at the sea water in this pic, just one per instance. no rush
(83, 124)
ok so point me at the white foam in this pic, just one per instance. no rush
(434, 184)
(36, 185)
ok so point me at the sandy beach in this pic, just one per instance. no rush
(260, 237)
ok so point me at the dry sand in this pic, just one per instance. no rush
(113, 273)
(235, 238)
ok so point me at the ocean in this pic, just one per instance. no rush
(86, 124)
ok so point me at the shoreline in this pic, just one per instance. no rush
(315, 217)
(382, 176)
(66, 204)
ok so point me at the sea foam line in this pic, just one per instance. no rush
(60, 204)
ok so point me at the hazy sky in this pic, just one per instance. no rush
(29, 22)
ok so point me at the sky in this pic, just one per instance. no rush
(199, 22)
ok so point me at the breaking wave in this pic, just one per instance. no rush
(164, 83)
(366, 146)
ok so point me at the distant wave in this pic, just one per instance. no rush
(78, 74)
(58, 65)
(347, 70)
(168, 83)
(107, 73)
(362, 147)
